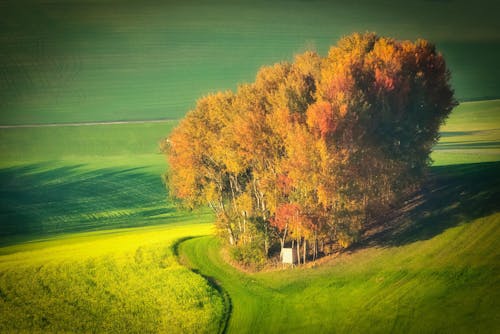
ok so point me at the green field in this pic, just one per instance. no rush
(89, 242)
(68, 179)
(448, 283)
(74, 61)
(470, 135)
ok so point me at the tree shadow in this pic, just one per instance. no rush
(453, 195)
(47, 199)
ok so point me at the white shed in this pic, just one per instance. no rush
(289, 255)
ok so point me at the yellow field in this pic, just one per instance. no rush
(113, 281)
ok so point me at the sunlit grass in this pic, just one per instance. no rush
(447, 283)
(114, 281)
(99, 145)
(470, 135)
(88, 235)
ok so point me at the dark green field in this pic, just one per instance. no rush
(69, 179)
(67, 61)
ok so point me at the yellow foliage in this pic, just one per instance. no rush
(245, 203)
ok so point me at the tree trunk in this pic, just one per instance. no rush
(266, 241)
(231, 236)
(266, 227)
(298, 251)
(244, 227)
(305, 250)
(282, 241)
(315, 249)
(235, 206)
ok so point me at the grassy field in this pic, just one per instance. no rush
(470, 135)
(87, 235)
(69, 179)
(446, 284)
(88, 245)
(105, 145)
(118, 281)
(73, 61)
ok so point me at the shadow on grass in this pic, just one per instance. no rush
(46, 199)
(453, 195)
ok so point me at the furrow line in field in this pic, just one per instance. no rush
(85, 123)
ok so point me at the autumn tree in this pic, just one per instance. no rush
(388, 99)
(313, 149)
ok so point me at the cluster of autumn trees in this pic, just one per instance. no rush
(313, 149)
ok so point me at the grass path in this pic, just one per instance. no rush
(247, 300)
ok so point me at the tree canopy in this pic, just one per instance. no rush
(315, 148)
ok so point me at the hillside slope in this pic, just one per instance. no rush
(436, 270)
(440, 274)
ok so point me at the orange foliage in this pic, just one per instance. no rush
(284, 183)
(320, 118)
(286, 214)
